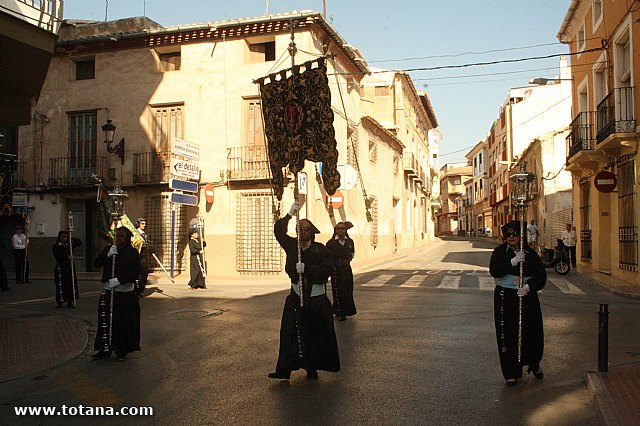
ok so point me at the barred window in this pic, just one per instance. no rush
(158, 213)
(257, 250)
(627, 229)
(396, 164)
(373, 224)
(585, 221)
(352, 149)
(373, 151)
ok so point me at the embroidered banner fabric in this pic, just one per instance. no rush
(299, 123)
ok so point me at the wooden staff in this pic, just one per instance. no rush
(201, 262)
(70, 241)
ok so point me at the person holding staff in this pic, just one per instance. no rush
(64, 275)
(307, 337)
(196, 263)
(122, 261)
(517, 313)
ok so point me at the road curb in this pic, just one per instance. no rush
(604, 406)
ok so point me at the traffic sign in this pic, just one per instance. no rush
(208, 193)
(185, 149)
(180, 198)
(336, 200)
(605, 181)
(183, 185)
(185, 168)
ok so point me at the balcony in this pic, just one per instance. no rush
(28, 33)
(151, 167)
(67, 172)
(581, 142)
(616, 121)
(410, 164)
(247, 163)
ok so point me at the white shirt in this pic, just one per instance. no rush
(569, 238)
(19, 241)
(532, 231)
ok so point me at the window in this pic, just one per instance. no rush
(597, 13)
(585, 222)
(254, 151)
(373, 151)
(257, 250)
(170, 61)
(627, 230)
(599, 83)
(167, 124)
(85, 69)
(581, 39)
(382, 91)
(82, 143)
(623, 60)
(262, 52)
(396, 164)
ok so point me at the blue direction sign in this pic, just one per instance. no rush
(183, 185)
(179, 198)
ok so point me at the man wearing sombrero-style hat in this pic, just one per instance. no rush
(508, 295)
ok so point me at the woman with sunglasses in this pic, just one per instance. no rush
(342, 250)
(307, 337)
(505, 268)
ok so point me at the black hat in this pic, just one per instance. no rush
(312, 226)
(513, 226)
(127, 231)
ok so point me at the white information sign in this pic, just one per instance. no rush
(348, 176)
(185, 168)
(185, 149)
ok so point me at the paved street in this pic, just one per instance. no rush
(420, 351)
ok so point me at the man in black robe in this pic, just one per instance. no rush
(64, 273)
(119, 284)
(343, 250)
(504, 266)
(146, 252)
(307, 337)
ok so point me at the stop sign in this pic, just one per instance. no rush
(336, 200)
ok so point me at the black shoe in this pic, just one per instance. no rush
(59, 305)
(101, 355)
(28, 282)
(6, 288)
(538, 374)
(511, 382)
(71, 305)
(312, 374)
(342, 318)
(283, 375)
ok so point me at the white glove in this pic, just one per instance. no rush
(300, 268)
(524, 290)
(295, 208)
(113, 282)
(519, 258)
(113, 250)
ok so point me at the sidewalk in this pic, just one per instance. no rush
(33, 340)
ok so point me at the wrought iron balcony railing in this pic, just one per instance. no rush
(615, 113)
(151, 167)
(582, 136)
(76, 171)
(247, 163)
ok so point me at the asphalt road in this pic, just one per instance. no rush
(420, 351)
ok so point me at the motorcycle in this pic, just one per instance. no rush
(556, 258)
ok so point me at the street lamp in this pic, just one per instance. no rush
(109, 130)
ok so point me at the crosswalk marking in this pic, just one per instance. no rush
(450, 282)
(487, 283)
(565, 286)
(413, 281)
(378, 281)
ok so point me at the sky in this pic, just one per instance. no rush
(408, 35)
